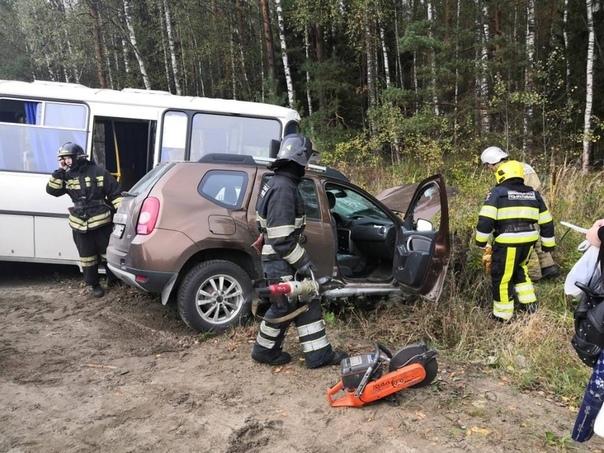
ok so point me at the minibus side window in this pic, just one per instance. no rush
(174, 136)
(33, 131)
(214, 133)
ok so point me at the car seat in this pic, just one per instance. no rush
(349, 264)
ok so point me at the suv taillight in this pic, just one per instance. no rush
(148, 216)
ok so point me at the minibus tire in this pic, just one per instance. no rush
(197, 286)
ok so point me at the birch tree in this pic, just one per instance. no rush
(268, 41)
(172, 47)
(288, 77)
(307, 54)
(566, 50)
(432, 58)
(385, 54)
(529, 86)
(132, 36)
(589, 75)
(482, 86)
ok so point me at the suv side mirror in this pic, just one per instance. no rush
(424, 225)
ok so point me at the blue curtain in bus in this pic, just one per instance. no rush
(30, 112)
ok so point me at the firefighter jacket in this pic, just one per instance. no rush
(280, 217)
(515, 214)
(94, 191)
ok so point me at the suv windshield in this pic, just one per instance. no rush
(350, 204)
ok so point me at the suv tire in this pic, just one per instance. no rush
(214, 295)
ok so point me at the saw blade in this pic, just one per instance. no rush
(414, 353)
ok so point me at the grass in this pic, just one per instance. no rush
(533, 351)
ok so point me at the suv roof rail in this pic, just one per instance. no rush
(245, 159)
(223, 158)
(331, 172)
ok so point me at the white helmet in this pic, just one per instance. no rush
(493, 155)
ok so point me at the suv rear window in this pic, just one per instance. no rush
(225, 188)
(148, 181)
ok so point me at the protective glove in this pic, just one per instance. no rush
(307, 269)
(487, 258)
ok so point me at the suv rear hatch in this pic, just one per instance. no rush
(126, 218)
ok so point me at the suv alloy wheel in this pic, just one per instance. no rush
(214, 295)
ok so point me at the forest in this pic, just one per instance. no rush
(374, 80)
(389, 91)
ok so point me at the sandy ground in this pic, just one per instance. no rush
(122, 373)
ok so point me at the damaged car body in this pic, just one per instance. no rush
(187, 227)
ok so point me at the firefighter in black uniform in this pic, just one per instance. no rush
(281, 219)
(511, 213)
(96, 196)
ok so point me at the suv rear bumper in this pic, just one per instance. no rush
(149, 281)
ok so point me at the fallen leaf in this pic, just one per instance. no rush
(480, 431)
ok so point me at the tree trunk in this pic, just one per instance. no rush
(482, 82)
(432, 59)
(399, 66)
(286, 69)
(385, 55)
(132, 36)
(232, 57)
(172, 48)
(238, 32)
(456, 98)
(107, 62)
(587, 138)
(99, 53)
(307, 53)
(164, 47)
(268, 41)
(371, 95)
(566, 51)
(528, 73)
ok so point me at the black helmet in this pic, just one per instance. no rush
(71, 149)
(294, 148)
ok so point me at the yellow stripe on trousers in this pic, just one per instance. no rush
(510, 258)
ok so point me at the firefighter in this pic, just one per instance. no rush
(96, 196)
(516, 216)
(281, 220)
(541, 264)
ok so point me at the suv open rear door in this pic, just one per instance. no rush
(423, 246)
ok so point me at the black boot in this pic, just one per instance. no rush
(97, 290)
(333, 359)
(271, 356)
(530, 308)
(550, 271)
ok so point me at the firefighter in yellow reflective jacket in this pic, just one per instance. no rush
(510, 216)
(96, 196)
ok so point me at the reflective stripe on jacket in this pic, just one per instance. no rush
(94, 191)
(280, 217)
(511, 213)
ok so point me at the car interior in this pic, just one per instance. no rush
(366, 235)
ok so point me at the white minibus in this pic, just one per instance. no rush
(128, 131)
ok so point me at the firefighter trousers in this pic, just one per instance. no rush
(310, 324)
(92, 247)
(510, 279)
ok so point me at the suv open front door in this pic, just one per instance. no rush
(422, 247)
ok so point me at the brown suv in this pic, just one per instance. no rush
(187, 227)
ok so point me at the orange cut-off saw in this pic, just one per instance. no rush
(366, 378)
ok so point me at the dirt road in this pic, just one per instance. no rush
(122, 373)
